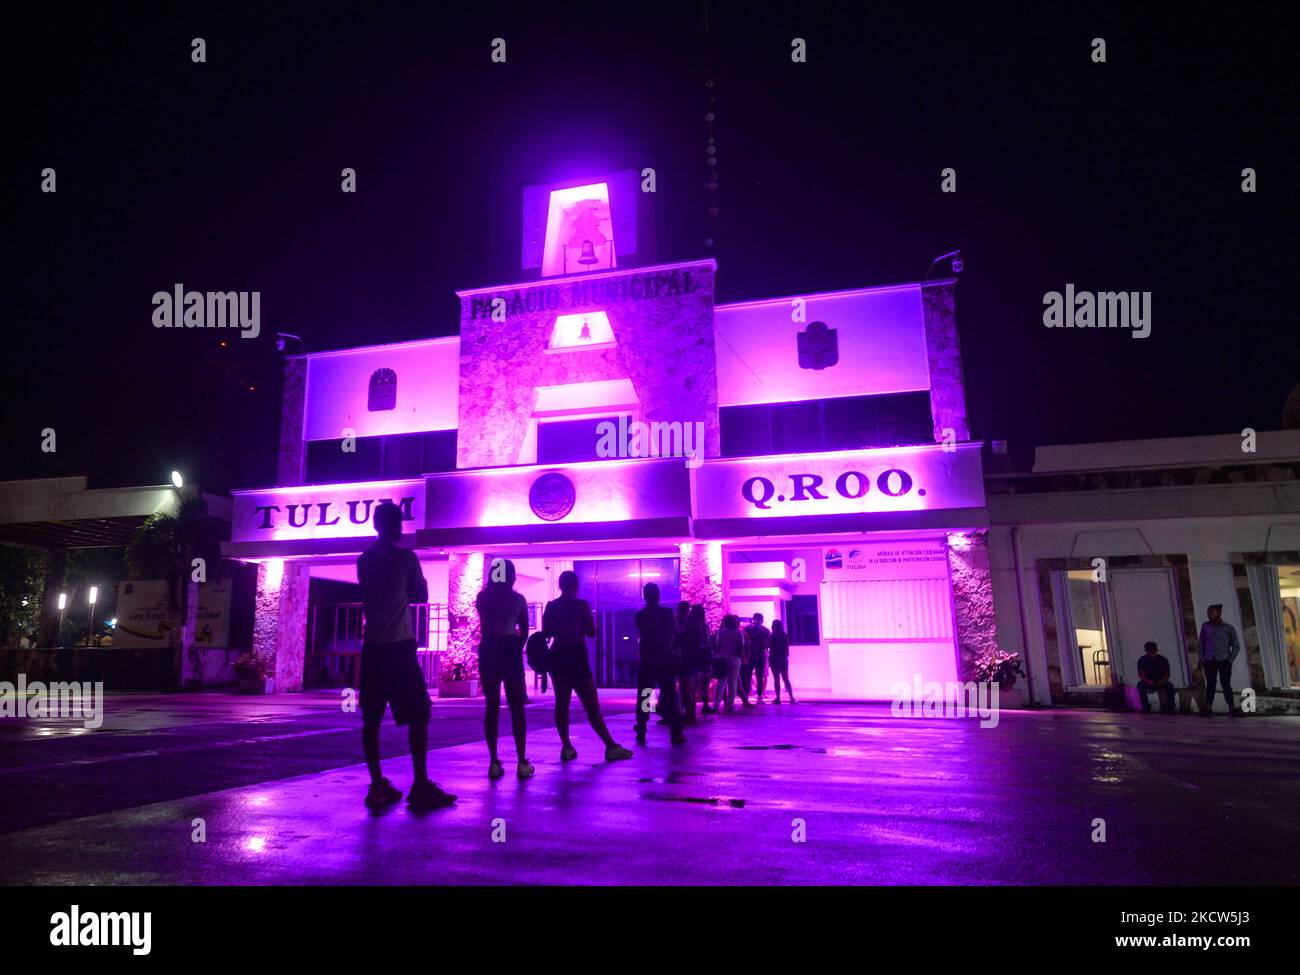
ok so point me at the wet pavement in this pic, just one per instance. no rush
(818, 793)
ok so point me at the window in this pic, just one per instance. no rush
(569, 441)
(383, 391)
(328, 463)
(842, 423)
(796, 427)
(801, 621)
(1289, 594)
(1088, 634)
(579, 231)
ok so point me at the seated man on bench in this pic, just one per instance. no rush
(1153, 674)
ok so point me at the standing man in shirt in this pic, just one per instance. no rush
(659, 664)
(1219, 648)
(391, 580)
(1153, 675)
(756, 637)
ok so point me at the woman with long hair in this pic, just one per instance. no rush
(568, 620)
(731, 646)
(503, 624)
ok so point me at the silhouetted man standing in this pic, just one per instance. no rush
(391, 580)
(659, 664)
(757, 637)
(1219, 648)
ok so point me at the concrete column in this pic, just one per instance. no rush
(291, 460)
(464, 580)
(280, 620)
(943, 348)
(972, 594)
(703, 579)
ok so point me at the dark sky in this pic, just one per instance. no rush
(225, 176)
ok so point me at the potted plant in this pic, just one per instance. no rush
(254, 673)
(1001, 667)
(456, 680)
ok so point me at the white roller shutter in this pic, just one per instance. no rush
(892, 609)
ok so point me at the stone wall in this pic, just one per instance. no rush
(662, 319)
(290, 461)
(702, 579)
(280, 620)
(464, 580)
(972, 593)
(943, 346)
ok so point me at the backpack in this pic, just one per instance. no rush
(538, 653)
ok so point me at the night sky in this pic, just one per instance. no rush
(225, 176)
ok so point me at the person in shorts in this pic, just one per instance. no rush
(391, 580)
(503, 626)
(568, 621)
(729, 648)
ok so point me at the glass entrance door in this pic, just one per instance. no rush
(616, 647)
(613, 587)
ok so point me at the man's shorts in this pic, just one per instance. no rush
(500, 658)
(391, 676)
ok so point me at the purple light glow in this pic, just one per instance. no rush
(604, 491)
(579, 231)
(881, 343)
(582, 331)
(427, 390)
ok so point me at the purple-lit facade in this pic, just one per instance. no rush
(807, 457)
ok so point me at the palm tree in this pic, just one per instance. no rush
(164, 547)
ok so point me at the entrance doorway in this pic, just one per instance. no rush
(1109, 622)
(613, 587)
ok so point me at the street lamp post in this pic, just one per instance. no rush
(94, 591)
(63, 604)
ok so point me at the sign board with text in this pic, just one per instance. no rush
(323, 510)
(147, 618)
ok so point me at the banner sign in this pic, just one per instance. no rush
(323, 511)
(918, 558)
(604, 290)
(146, 618)
(841, 482)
